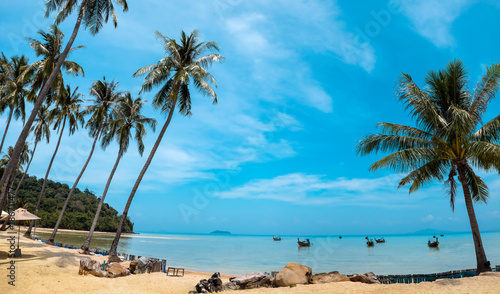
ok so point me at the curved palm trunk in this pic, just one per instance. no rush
(59, 219)
(4, 226)
(114, 245)
(28, 232)
(3, 201)
(6, 129)
(483, 265)
(86, 244)
(11, 166)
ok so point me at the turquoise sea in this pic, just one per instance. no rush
(240, 254)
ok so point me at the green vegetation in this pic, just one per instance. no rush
(81, 208)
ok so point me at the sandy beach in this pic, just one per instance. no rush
(49, 269)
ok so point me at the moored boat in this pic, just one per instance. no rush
(276, 238)
(305, 243)
(433, 243)
(369, 242)
(381, 240)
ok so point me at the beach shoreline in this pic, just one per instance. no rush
(45, 269)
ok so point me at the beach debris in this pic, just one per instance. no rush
(367, 278)
(117, 270)
(250, 281)
(293, 274)
(93, 267)
(330, 277)
(214, 284)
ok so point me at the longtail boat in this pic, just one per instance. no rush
(305, 243)
(369, 242)
(381, 240)
(276, 238)
(433, 243)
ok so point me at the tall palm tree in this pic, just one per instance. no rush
(67, 109)
(449, 138)
(93, 13)
(185, 62)
(106, 96)
(125, 118)
(40, 130)
(50, 50)
(25, 155)
(14, 89)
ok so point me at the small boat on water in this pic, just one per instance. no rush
(305, 243)
(369, 242)
(340, 237)
(433, 243)
(276, 238)
(381, 240)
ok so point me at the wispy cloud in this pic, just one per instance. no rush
(434, 19)
(302, 188)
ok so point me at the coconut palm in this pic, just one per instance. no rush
(50, 50)
(93, 13)
(105, 97)
(185, 62)
(449, 138)
(67, 110)
(40, 130)
(14, 89)
(126, 117)
(25, 155)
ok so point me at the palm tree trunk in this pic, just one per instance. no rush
(21, 181)
(11, 166)
(6, 129)
(483, 265)
(114, 245)
(86, 244)
(28, 232)
(4, 196)
(59, 219)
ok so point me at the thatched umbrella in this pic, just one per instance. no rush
(19, 215)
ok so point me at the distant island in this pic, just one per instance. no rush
(220, 233)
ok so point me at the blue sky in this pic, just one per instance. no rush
(303, 81)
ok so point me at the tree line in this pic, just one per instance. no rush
(111, 116)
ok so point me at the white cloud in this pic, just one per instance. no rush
(434, 19)
(316, 190)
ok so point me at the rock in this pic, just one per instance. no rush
(253, 280)
(117, 270)
(89, 266)
(133, 265)
(293, 274)
(214, 284)
(145, 265)
(329, 278)
(368, 278)
(230, 286)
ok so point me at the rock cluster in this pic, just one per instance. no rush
(93, 267)
(214, 284)
(250, 281)
(330, 277)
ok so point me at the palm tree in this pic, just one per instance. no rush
(126, 117)
(67, 109)
(50, 50)
(25, 155)
(449, 138)
(93, 14)
(13, 89)
(105, 98)
(184, 62)
(40, 130)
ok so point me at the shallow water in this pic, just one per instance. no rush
(239, 254)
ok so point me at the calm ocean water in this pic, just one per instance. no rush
(239, 254)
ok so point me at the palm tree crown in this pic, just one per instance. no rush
(105, 97)
(185, 62)
(68, 105)
(13, 89)
(125, 117)
(50, 50)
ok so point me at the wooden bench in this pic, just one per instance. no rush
(175, 271)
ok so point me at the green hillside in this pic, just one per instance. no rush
(81, 208)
